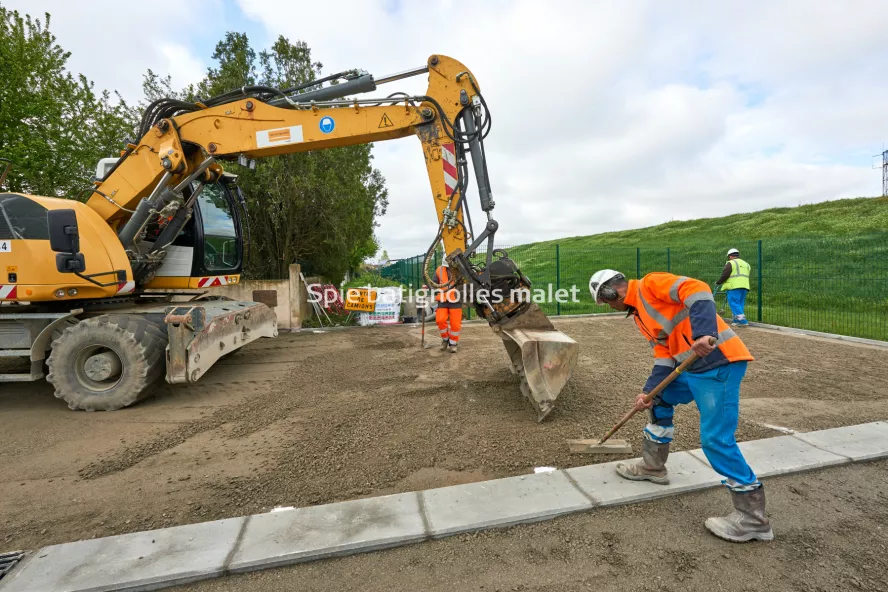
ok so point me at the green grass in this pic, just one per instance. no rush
(843, 217)
(824, 267)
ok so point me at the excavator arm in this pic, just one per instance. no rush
(159, 177)
(187, 148)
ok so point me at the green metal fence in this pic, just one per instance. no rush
(831, 284)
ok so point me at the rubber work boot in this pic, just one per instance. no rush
(748, 521)
(651, 467)
(453, 347)
(444, 344)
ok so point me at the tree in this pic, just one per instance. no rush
(54, 127)
(317, 207)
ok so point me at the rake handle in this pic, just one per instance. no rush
(657, 390)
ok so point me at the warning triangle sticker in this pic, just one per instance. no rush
(386, 122)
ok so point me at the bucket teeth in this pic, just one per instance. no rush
(542, 357)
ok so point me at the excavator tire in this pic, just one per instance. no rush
(108, 362)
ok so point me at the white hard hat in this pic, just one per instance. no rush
(598, 279)
(445, 263)
(733, 252)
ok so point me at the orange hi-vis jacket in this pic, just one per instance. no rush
(674, 311)
(450, 299)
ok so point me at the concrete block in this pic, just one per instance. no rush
(867, 441)
(317, 532)
(140, 561)
(606, 487)
(784, 454)
(501, 502)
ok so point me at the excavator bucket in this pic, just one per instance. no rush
(542, 357)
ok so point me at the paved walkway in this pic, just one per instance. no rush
(161, 558)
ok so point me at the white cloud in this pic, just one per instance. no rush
(610, 116)
(115, 43)
(182, 65)
(606, 115)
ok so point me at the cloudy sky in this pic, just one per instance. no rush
(606, 115)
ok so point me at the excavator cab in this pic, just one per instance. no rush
(219, 229)
(210, 245)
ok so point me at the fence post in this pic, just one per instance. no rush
(557, 278)
(668, 260)
(760, 280)
(638, 263)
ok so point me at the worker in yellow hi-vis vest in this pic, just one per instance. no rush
(734, 281)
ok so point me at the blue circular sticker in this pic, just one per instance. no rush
(327, 124)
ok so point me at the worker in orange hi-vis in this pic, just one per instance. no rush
(449, 310)
(677, 316)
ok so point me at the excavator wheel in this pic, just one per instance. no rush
(108, 362)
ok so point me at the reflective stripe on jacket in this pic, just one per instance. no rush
(442, 276)
(674, 311)
(739, 275)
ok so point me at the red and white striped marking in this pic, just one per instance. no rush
(448, 157)
(126, 287)
(8, 292)
(209, 282)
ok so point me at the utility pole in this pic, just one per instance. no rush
(884, 168)
(885, 173)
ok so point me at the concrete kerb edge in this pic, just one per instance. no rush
(837, 337)
(182, 578)
(507, 523)
(308, 558)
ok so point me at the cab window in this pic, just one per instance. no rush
(21, 218)
(220, 233)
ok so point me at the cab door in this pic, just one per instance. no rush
(218, 236)
(209, 250)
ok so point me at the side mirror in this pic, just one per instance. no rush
(64, 239)
(63, 234)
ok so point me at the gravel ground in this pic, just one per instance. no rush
(831, 531)
(313, 418)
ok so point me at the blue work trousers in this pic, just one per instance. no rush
(737, 302)
(717, 395)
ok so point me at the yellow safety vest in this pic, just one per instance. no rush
(739, 275)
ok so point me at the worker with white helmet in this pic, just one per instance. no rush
(677, 317)
(734, 281)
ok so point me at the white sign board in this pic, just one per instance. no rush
(388, 308)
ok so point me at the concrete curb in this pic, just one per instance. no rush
(167, 557)
(836, 336)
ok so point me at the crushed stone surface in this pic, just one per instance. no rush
(312, 418)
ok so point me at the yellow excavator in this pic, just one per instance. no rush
(91, 282)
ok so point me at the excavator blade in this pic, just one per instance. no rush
(542, 357)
